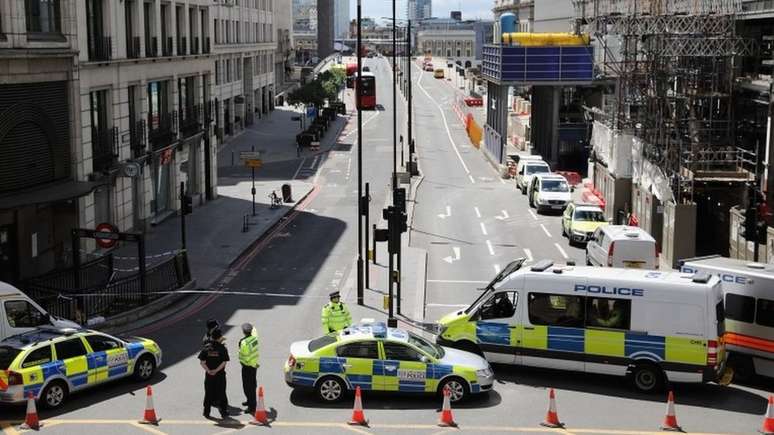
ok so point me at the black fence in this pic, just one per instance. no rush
(100, 292)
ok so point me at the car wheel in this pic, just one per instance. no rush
(458, 389)
(648, 378)
(144, 368)
(54, 395)
(330, 389)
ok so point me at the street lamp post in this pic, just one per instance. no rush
(391, 320)
(358, 88)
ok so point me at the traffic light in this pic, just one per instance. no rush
(399, 199)
(187, 204)
(401, 220)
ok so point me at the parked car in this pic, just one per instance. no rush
(526, 167)
(549, 192)
(579, 221)
(622, 246)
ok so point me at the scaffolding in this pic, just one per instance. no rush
(673, 65)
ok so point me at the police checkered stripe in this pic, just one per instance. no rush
(383, 368)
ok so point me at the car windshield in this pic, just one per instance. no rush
(589, 216)
(434, 350)
(554, 186)
(7, 355)
(536, 169)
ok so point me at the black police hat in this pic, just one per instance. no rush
(335, 294)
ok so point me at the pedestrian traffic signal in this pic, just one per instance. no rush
(187, 204)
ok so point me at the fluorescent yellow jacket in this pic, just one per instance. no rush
(335, 317)
(248, 350)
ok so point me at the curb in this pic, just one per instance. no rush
(116, 322)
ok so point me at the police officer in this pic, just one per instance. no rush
(335, 315)
(213, 359)
(248, 357)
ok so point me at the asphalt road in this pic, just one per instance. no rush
(470, 222)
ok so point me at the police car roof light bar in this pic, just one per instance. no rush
(542, 265)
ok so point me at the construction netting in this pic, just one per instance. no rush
(613, 148)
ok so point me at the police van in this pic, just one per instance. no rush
(749, 301)
(654, 327)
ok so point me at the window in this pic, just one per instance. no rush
(101, 343)
(400, 352)
(43, 16)
(720, 318)
(321, 342)
(70, 349)
(363, 349)
(556, 310)
(608, 313)
(37, 357)
(740, 308)
(22, 314)
(500, 306)
(765, 314)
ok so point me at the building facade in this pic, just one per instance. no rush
(419, 9)
(456, 45)
(341, 16)
(283, 57)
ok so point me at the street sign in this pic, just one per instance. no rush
(106, 235)
(249, 155)
(254, 163)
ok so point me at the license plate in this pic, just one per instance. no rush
(557, 207)
(633, 264)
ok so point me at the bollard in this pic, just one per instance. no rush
(244, 223)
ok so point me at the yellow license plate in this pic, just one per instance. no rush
(633, 264)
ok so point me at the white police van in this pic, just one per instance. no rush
(749, 300)
(651, 326)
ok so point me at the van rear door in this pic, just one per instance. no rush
(634, 254)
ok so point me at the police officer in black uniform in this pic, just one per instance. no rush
(213, 359)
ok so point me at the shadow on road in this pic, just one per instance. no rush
(384, 401)
(730, 398)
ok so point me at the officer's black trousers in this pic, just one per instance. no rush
(215, 392)
(249, 384)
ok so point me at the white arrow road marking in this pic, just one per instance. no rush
(504, 216)
(561, 251)
(483, 229)
(545, 230)
(528, 254)
(491, 249)
(456, 256)
(478, 213)
(448, 213)
(532, 213)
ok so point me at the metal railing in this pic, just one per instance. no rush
(190, 121)
(195, 45)
(167, 50)
(133, 48)
(182, 48)
(161, 129)
(101, 48)
(137, 139)
(103, 147)
(151, 47)
(206, 45)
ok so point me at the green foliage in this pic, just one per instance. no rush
(325, 87)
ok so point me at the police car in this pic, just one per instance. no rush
(53, 362)
(374, 357)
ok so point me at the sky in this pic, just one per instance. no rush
(471, 9)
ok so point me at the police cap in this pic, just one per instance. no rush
(335, 294)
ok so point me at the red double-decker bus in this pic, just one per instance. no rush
(366, 91)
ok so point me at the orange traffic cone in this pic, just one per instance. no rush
(447, 420)
(31, 422)
(768, 419)
(358, 418)
(260, 417)
(670, 420)
(150, 413)
(552, 418)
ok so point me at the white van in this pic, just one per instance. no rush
(526, 167)
(654, 327)
(622, 246)
(549, 192)
(19, 313)
(749, 292)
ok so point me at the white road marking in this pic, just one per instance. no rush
(532, 213)
(483, 229)
(300, 165)
(504, 216)
(472, 180)
(448, 213)
(319, 171)
(561, 251)
(364, 124)
(314, 162)
(446, 125)
(478, 213)
(455, 281)
(448, 305)
(545, 230)
(528, 254)
(456, 256)
(497, 268)
(491, 249)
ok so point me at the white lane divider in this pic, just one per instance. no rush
(446, 125)
(448, 213)
(478, 212)
(528, 254)
(491, 249)
(561, 251)
(532, 213)
(545, 230)
(451, 259)
(504, 216)
(483, 229)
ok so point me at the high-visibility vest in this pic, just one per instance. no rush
(248, 351)
(335, 317)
